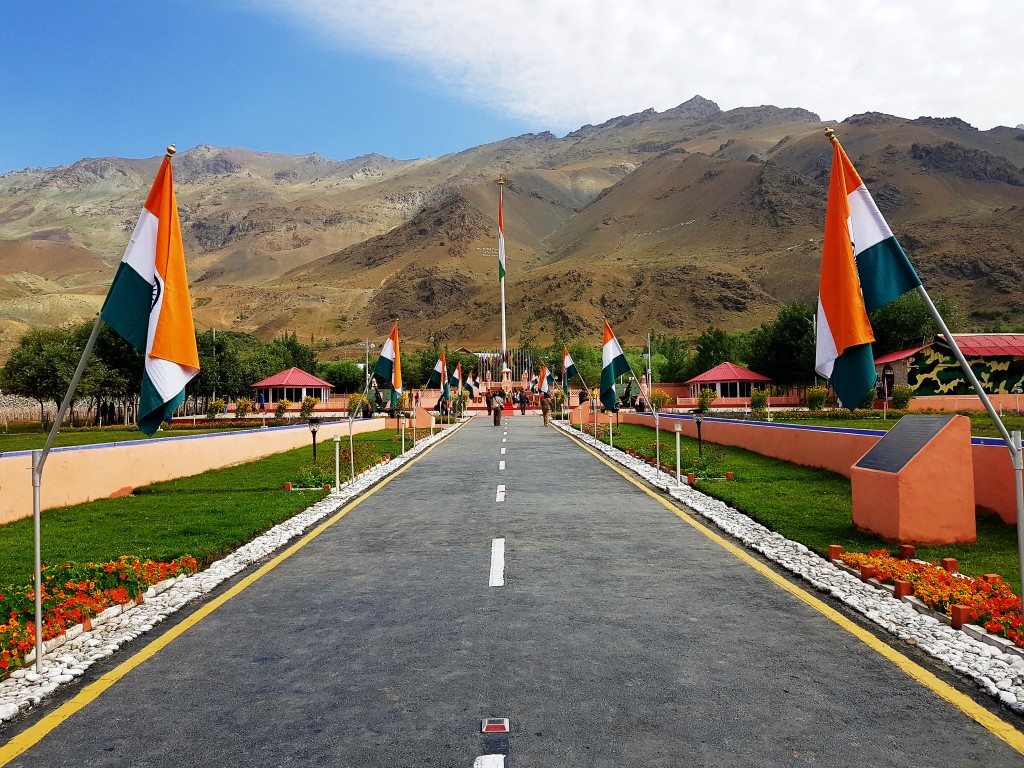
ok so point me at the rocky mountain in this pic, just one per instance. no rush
(667, 220)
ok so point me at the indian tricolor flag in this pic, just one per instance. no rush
(439, 375)
(568, 370)
(613, 365)
(389, 366)
(501, 239)
(149, 304)
(863, 268)
(456, 379)
(545, 378)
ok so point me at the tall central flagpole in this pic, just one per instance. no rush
(501, 276)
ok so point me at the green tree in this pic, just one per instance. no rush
(41, 366)
(714, 347)
(293, 353)
(906, 322)
(783, 349)
(676, 355)
(345, 375)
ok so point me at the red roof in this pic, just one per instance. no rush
(293, 377)
(727, 372)
(987, 344)
(892, 357)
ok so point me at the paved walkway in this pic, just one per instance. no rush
(620, 637)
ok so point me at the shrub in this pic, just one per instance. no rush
(356, 404)
(901, 395)
(242, 407)
(705, 398)
(758, 400)
(316, 475)
(816, 397)
(868, 403)
(281, 408)
(215, 407)
(659, 398)
(308, 404)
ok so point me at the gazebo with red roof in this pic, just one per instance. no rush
(728, 380)
(293, 384)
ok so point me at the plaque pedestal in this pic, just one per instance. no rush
(916, 485)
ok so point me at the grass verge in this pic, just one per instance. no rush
(207, 515)
(815, 506)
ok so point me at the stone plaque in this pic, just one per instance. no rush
(901, 443)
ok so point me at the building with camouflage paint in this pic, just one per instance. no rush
(997, 359)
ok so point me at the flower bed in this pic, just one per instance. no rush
(73, 592)
(993, 604)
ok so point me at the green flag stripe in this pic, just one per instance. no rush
(885, 274)
(127, 306)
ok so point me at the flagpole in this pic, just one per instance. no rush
(504, 344)
(38, 460)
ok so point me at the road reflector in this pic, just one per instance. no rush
(494, 725)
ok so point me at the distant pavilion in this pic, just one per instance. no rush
(294, 385)
(728, 380)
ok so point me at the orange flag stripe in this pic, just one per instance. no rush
(174, 339)
(840, 292)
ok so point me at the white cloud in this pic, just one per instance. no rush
(563, 63)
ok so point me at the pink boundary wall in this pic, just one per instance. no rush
(88, 472)
(994, 490)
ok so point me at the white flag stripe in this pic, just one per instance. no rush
(825, 352)
(139, 253)
(867, 226)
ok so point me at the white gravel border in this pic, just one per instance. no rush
(989, 662)
(68, 657)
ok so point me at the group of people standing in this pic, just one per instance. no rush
(496, 403)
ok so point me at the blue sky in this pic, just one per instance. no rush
(405, 78)
(95, 79)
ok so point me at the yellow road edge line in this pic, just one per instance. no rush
(991, 722)
(34, 734)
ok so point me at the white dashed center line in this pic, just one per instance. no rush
(502, 451)
(501, 465)
(501, 493)
(497, 563)
(489, 761)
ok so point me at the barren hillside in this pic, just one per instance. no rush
(671, 220)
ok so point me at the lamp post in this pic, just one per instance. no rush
(314, 425)
(679, 429)
(337, 462)
(1017, 391)
(366, 368)
(700, 447)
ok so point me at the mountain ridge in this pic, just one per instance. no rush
(668, 221)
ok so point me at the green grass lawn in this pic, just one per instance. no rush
(206, 515)
(981, 423)
(815, 506)
(28, 437)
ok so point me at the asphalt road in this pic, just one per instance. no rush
(621, 637)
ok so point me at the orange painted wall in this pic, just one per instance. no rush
(84, 473)
(994, 487)
(929, 501)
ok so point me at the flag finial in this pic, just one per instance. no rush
(831, 135)
(501, 179)
(170, 150)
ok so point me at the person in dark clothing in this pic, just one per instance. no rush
(627, 395)
(497, 405)
(490, 402)
(378, 401)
